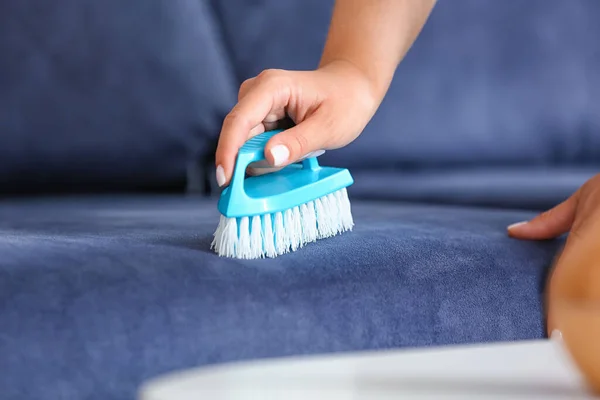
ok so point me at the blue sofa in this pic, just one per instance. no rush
(109, 115)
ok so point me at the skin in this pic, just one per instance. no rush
(575, 277)
(331, 105)
(573, 290)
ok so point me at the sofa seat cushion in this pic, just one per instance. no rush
(99, 294)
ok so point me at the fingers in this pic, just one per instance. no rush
(263, 167)
(257, 130)
(298, 142)
(549, 224)
(245, 87)
(575, 276)
(265, 97)
(271, 120)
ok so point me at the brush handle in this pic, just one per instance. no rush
(293, 186)
(254, 150)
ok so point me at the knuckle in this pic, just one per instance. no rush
(235, 119)
(246, 83)
(273, 77)
(244, 87)
(301, 143)
(268, 74)
(592, 186)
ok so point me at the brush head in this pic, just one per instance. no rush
(272, 214)
(274, 234)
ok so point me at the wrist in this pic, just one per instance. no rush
(374, 86)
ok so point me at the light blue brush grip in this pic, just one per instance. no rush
(257, 144)
(254, 150)
(277, 191)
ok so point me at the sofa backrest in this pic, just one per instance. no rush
(108, 95)
(487, 82)
(126, 95)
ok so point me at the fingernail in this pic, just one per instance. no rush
(220, 176)
(260, 164)
(556, 335)
(280, 154)
(316, 153)
(517, 224)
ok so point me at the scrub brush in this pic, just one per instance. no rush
(275, 213)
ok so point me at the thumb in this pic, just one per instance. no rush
(549, 224)
(297, 142)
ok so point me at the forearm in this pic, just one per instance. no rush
(374, 36)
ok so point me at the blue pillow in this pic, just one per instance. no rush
(108, 94)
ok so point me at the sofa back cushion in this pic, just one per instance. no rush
(108, 94)
(487, 82)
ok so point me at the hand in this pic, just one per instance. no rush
(576, 273)
(329, 107)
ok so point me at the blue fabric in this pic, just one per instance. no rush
(108, 94)
(98, 294)
(502, 187)
(487, 83)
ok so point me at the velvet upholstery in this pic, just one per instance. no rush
(98, 294)
(108, 95)
(494, 109)
(486, 83)
(533, 188)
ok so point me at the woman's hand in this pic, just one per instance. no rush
(576, 274)
(329, 106)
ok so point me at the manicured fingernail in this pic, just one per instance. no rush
(516, 225)
(556, 335)
(280, 154)
(220, 176)
(316, 153)
(260, 164)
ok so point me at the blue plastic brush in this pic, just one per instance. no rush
(272, 214)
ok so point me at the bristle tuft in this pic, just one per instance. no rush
(279, 233)
(243, 245)
(269, 238)
(256, 238)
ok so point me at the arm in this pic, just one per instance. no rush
(374, 36)
(330, 106)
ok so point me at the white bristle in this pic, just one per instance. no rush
(270, 235)
(309, 222)
(279, 233)
(244, 238)
(226, 236)
(218, 235)
(296, 227)
(291, 235)
(331, 215)
(256, 238)
(345, 209)
(322, 220)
